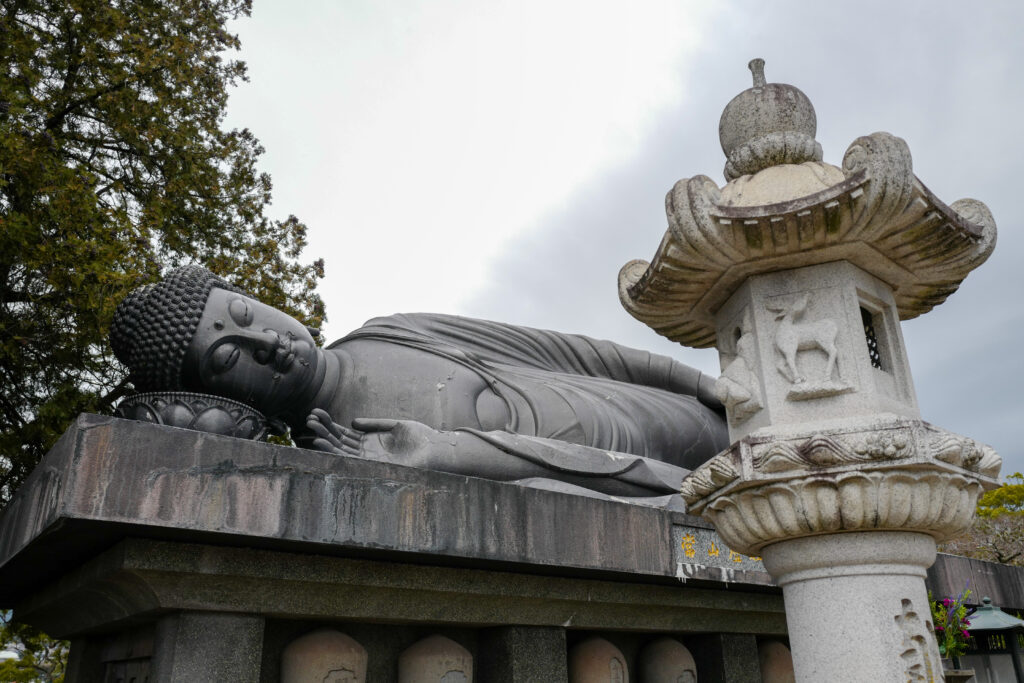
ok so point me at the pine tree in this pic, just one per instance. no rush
(114, 166)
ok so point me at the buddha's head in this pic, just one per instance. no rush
(193, 331)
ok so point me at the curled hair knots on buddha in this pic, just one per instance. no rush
(155, 323)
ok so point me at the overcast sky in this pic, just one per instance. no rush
(504, 159)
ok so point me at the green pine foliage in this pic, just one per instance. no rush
(1008, 499)
(37, 657)
(113, 167)
(997, 533)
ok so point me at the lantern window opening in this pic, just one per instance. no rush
(874, 337)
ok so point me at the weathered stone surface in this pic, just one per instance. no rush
(865, 473)
(324, 655)
(204, 647)
(781, 184)
(139, 577)
(766, 125)
(109, 478)
(595, 660)
(384, 643)
(799, 275)
(666, 660)
(776, 662)
(801, 335)
(701, 554)
(265, 526)
(98, 659)
(726, 658)
(307, 591)
(522, 654)
(879, 217)
(436, 659)
(878, 578)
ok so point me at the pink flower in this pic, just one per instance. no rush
(940, 628)
(945, 603)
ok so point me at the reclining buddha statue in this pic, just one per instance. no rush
(441, 392)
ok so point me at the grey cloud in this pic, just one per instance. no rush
(940, 76)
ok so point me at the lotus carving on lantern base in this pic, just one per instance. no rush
(878, 474)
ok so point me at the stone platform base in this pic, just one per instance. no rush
(171, 555)
(186, 612)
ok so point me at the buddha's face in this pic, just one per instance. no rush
(251, 352)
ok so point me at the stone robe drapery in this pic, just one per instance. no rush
(577, 405)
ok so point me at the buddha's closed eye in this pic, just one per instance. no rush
(241, 312)
(224, 358)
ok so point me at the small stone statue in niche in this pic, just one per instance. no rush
(440, 392)
(739, 388)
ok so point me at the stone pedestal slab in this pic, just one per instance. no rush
(99, 546)
(109, 478)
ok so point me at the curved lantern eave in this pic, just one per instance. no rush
(880, 217)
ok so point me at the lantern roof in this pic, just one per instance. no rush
(783, 207)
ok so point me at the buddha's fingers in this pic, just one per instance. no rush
(323, 433)
(330, 447)
(351, 439)
(374, 424)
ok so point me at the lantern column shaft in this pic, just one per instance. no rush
(856, 606)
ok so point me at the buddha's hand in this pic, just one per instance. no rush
(331, 437)
(401, 441)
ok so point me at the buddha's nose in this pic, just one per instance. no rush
(265, 345)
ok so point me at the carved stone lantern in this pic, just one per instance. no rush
(799, 272)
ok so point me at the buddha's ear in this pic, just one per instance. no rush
(313, 331)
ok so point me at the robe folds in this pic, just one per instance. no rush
(580, 407)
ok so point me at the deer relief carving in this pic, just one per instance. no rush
(792, 335)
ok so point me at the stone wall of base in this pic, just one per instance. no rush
(201, 647)
(189, 612)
